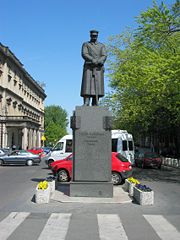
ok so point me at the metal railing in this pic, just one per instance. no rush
(171, 162)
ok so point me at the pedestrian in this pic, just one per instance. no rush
(94, 55)
(14, 147)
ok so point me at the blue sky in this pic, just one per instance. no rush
(47, 35)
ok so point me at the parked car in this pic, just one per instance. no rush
(36, 150)
(121, 168)
(46, 149)
(2, 152)
(148, 159)
(20, 157)
(5, 150)
(24, 152)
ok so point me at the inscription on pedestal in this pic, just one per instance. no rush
(92, 139)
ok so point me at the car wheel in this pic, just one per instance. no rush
(29, 162)
(63, 176)
(1, 162)
(116, 178)
(49, 162)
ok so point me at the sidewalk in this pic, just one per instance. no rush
(119, 196)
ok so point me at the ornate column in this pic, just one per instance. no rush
(25, 138)
(5, 137)
(33, 138)
(30, 138)
(38, 138)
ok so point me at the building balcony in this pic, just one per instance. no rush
(19, 119)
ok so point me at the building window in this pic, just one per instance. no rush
(9, 100)
(9, 78)
(20, 84)
(20, 106)
(15, 81)
(14, 104)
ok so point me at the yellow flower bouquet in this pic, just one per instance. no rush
(43, 185)
(133, 180)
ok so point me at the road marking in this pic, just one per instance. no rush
(56, 227)
(10, 223)
(163, 228)
(110, 227)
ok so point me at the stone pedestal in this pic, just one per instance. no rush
(92, 152)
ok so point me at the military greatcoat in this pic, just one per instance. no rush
(93, 74)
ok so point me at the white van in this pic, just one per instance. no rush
(61, 150)
(122, 142)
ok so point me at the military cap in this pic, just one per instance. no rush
(94, 32)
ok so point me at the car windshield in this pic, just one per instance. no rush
(70, 158)
(14, 153)
(23, 151)
(122, 158)
(151, 155)
(58, 146)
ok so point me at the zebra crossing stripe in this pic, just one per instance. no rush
(10, 223)
(110, 227)
(56, 227)
(163, 228)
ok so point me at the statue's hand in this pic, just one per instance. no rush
(94, 61)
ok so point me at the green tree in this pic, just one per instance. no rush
(144, 72)
(55, 124)
(159, 26)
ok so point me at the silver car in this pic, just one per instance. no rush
(20, 157)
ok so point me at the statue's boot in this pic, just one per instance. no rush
(94, 102)
(86, 101)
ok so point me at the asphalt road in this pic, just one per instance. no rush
(90, 221)
(17, 184)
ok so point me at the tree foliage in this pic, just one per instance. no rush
(158, 26)
(144, 72)
(55, 123)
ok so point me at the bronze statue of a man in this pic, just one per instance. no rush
(94, 54)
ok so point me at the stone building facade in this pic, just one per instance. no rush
(21, 104)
